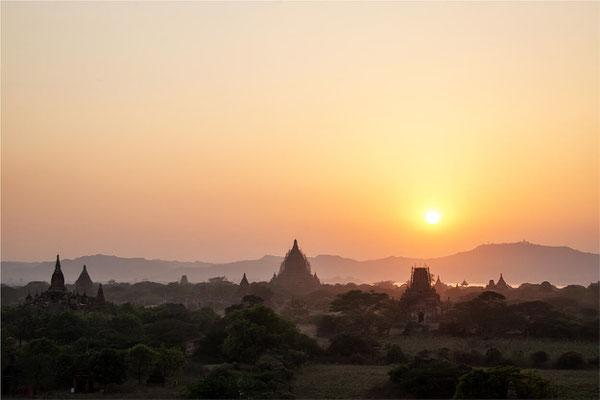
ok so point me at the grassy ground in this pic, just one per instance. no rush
(333, 381)
(574, 384)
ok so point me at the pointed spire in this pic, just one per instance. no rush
(57, 282)
(100, 295)
(84, 268)
(295, 246)
(244, 281)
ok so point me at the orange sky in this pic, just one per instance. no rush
(218, 132)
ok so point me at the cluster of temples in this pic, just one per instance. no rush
(57, 295)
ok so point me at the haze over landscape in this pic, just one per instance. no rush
(519, 262)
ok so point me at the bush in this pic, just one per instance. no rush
(472, 357)
(570, 360)
(219, 383)
(352, 348)
(229, 383)
(443, 352)
(428, 378)
(328, 325)
(493, 356)
(395, 355)
(493, 384)
(594, 362)
(539, 358)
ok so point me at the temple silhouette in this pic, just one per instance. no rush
(295, 274)
(420, 298)
(500, 286)
(57, 296)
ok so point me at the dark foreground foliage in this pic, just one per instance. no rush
(494, 383)
(428, 378)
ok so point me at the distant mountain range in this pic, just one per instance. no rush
(518, 262)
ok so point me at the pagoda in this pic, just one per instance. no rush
(243, 288)
(58, 297)
(84, 283)
(420, 299)
(295, 273)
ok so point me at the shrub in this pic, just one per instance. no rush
(539, 358)
(395, 355)
(428, 378)
(229, 383)
(467, 357)
(570, 360)
(493, 356)
(444, 353)
(328, 325)
(219, 383)
(424, 354)
(493, 383)
(348, 347)
(594, 362)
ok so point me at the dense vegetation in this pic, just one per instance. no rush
(261, 353)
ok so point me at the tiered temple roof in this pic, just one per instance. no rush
(295, 272)
(420, 298)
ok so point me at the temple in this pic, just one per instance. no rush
(57, 296)
(420, 299)
(184, 280)
(500, 286)
(295, 273)
(244, 287)
(84, 283)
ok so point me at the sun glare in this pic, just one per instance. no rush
(432, 217)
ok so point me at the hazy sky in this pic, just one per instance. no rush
(222, 131)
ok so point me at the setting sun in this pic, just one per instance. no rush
(432, 217)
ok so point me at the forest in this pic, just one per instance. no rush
(340, 341)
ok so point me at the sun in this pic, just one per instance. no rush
(432, 217)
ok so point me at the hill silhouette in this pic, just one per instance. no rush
(518, 262)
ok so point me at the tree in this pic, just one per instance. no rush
(428, 378)
(141, 359)
(360, 308)
(354, 349)
(170, 360)
(108, 366)
(38, 359)
(358, 302)
(296, 310)
(532, 312)
(66, 327)
(486, 315)
(253, 331)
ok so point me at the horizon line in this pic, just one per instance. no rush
(318, 255)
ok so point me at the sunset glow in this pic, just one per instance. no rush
(222, 131)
